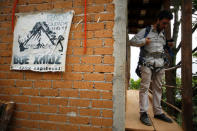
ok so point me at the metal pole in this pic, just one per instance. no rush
(186, 56)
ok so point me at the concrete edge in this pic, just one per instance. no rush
(119, 79)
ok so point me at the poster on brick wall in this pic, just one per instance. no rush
(40, 41)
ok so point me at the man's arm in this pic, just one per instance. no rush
(138, 40)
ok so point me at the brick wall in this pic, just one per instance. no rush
(79, 98)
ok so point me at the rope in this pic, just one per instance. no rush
(13, 13)
(168, 86)
(173, 68)
(176, 108)
(85, 29)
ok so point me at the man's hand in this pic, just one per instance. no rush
(147, 41)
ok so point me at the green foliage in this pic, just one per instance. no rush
(135, 84)
(194, 5)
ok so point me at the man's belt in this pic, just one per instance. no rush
(155, 55)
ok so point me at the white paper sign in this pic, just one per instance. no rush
(40, 41)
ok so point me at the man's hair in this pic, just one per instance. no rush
(165, 14)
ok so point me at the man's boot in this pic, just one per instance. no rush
(145, 119)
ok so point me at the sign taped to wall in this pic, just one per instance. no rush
(40, 41)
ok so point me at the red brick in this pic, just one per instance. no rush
(63, 4)
(72, 60)
(31, 8)
(62, 84)
(57, 118)
(91, 60)
(23, 83)
(109, 25)
(108, 60)
(69, 93)
(5, 3)
(83, 85)
(90, 112)
(95, 9)
(52, 75)
(104, 68)
(83, 68)
(79, 120)
(36, 1)
(48, 109)
(103, 51)
(10, 91)
(94, 77)
(109, 42)
(20, 99)
(31, 92)
(21, 115)
(103, 33)
(48, 92)
(5, 53)
(27, 107)
(89, 128)
(103, 1)
(74, 43)
(48, 126)
(69, 111)
(102, 104)
(80, 35)
(107, 95)
(106, 129)
(78, 10)
(3, 46)
(110, 8)
(26, 123)
(104, 17)
(107, 113)
(94, 43)
(81, 3)
(68, 68)
(38, 116)
(42, 84)
(58, 101)
(69, 51)
(5, 18)
(6, 38)
(6, 83)
(3, 75)
(5, 31)
(5, 10)
(5, 97)
(33, 75)
(90, 18)
(39, 100)
(108, 77)
(103, 86)
(79, 103)
(13, 75)
(72, 76)
(95, 26)
(76, 27)
(6, 61)
(90, 94)
(17, 128)
(102, 122)
(65, 127)
(80, 51)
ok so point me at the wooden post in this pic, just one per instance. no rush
(186, 56)
(169, 78)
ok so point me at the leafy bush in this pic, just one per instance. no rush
(135, 84)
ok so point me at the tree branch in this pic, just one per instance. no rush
(194, 50)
